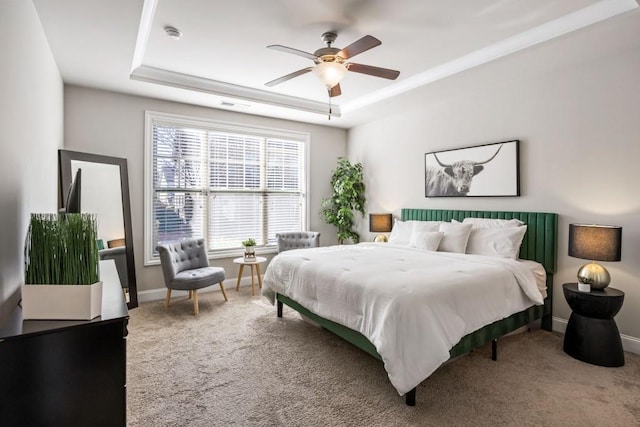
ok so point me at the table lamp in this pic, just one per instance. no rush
(596, 243)
(380, 223)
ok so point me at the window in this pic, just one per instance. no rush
(222, 182)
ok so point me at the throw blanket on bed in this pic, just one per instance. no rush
(413, 305)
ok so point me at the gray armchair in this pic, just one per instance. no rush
(185, 267)
(297, 240)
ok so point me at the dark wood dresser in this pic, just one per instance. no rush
(66, 373)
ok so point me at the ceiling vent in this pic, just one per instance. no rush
(173, 32)
(233, 105)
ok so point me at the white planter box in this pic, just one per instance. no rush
(62, 302)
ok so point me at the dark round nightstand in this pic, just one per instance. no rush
(592, 335)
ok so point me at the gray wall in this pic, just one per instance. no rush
(112, 124)
(31, 111)
(579, 128)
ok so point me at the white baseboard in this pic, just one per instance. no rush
(559, 324)
(161, 293)
(629, 343)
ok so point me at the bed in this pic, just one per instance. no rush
(538, 244)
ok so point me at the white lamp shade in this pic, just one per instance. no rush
(330, 73)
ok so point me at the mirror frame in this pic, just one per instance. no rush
(65, 179)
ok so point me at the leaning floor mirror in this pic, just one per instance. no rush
(103, 185)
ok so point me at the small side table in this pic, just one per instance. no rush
(592, 335)
(254, 264)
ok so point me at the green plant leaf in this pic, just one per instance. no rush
(62, 250)
(348, 196)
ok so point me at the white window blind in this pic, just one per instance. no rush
(223, 185)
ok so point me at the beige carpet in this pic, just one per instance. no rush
(239, 365)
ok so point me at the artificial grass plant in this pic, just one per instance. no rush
(62, 249)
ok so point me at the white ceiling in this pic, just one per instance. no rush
(120, 45)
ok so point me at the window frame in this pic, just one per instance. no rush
(154, 117)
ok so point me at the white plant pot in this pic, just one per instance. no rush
(249, 251)
(61, 302)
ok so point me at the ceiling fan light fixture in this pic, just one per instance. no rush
(331, 73)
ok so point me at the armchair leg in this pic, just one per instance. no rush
(168, 297)
(224, 292)
(195, 302)
(190, 294)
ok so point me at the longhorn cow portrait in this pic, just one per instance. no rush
(453, 179)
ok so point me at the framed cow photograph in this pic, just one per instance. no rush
(489, 170)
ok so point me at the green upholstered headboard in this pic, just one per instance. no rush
(540, 241)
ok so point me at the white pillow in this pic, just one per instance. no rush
(421, 226)
(426, 240)
(401, 232)
(501, 242)
(455, 237)
(492, 222)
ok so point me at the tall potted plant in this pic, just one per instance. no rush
(348, 196)
(62, 279)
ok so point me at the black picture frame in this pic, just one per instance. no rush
(487, 170)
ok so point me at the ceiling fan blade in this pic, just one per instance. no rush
(288, 77)
(335, 91)
(385, 73)
(293, 51)
(359, 46)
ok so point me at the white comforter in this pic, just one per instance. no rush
(413, 305)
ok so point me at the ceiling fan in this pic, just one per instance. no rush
(331, 64)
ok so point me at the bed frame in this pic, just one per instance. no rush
(539, 245)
